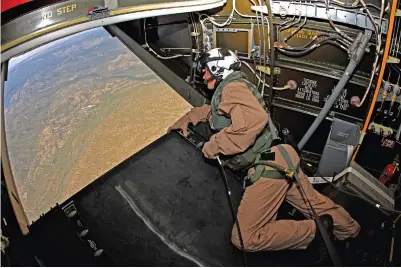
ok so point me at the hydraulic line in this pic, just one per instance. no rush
(360, 44)
(271, 39)
(291, 24)
(260, 44)
(330, 36)
(264, 49)
(315, 45)
(299, 52)
(296, 30)
(287, 21)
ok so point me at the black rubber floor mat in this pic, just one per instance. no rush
(166, 205)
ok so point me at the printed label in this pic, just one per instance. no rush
(306, 91)
(342, 102)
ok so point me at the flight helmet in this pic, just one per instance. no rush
(220, 62)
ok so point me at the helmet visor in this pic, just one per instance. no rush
(204, 59)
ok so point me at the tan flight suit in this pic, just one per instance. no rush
(258, 208)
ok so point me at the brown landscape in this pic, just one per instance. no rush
(142, 117)
(77, 109)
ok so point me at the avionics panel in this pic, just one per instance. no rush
(229, 37)
(314, 90)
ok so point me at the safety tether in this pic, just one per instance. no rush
(329, 245)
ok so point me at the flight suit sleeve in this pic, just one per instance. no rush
(199, 114)
(248, 120)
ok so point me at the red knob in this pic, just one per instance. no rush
(292, 84)
(355, 101)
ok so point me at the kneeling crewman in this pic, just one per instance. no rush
(237, 114)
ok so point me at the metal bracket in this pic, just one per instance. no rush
(71, 212)
(318, 11)
(266, 69)
(393, 60)
(381, 130)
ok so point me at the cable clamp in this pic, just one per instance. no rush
(289, 173)
(262, 9)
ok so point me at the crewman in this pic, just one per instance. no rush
(239, 117)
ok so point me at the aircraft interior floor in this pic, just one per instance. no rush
(167, 206)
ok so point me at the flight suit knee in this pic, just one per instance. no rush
(258, 241)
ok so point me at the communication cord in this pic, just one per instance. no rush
(234, 216)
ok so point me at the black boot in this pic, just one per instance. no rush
(317, 245)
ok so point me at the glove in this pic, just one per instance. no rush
(208, 150)
(181, 124)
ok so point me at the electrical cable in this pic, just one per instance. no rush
(397, 41)
(372, 5)
(378, 33)
(234, 216)
(296, 30)
(154, 52)
(352, 6)
(329, 36)
(315, 45)
(228, 21)
(291, 24)
(394, 37)
(371, 17)
(253, 71)
(344, 42)
(372, 75)
(333, 25)
(287, 21)
(306, 51)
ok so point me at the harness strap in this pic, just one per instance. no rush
(329, 245)
(279, 172)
